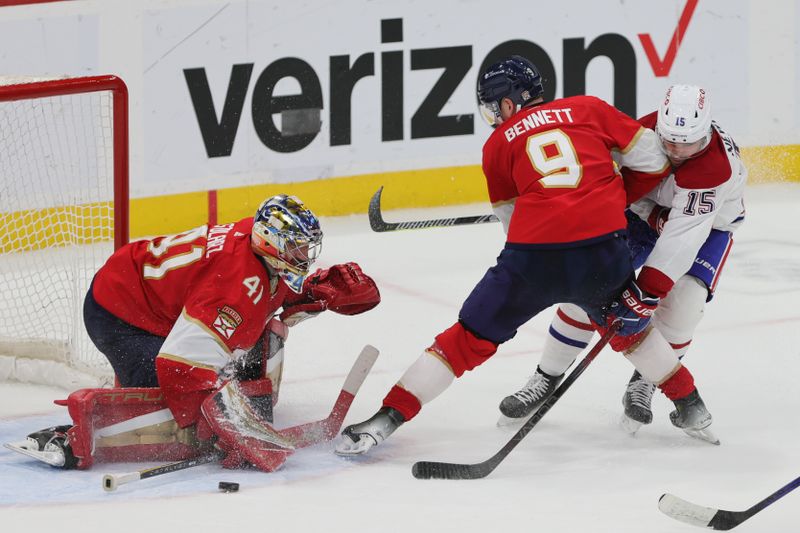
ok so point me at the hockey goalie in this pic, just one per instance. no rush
(188, 323)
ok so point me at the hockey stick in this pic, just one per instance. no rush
(323, 430)
(112, 481)
(436, 470)
(377, 223)
(300, 436)
(717, 519)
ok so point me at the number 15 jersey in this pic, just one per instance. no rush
(552, 165)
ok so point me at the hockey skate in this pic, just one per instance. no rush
(693, 418)
(49, 445)
(518, 406)
(636, 402)
(358, 439)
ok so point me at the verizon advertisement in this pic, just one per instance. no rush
(227, 94)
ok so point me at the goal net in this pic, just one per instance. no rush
(63, 210)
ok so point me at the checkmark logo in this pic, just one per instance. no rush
(661, 67)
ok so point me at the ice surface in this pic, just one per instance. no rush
(576, 472)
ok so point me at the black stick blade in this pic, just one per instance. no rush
(434, 470)
(378, 224)
(376, 221)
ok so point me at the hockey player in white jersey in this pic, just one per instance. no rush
(680, 235)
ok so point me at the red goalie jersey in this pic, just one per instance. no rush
(552, 165)
(204, 290)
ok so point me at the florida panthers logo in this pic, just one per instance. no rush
(228, 319)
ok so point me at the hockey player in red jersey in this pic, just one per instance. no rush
(680, 234)
(552, 181)
(189, 323)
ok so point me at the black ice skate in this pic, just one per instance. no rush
(529, 398)
(358, 439)
(692, 417)
(49, 445)
(636, 402)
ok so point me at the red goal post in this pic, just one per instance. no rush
(63, 210)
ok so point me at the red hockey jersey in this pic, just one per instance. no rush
(205, 291)
(212, 273)
(554, 164)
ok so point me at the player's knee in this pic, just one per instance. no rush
(461, 349)
(680, 312)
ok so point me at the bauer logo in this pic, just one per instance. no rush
(303, 114)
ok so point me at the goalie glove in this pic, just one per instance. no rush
(343, 289)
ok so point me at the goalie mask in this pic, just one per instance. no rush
(288, 236)
(684, 122)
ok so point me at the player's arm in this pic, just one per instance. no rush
(635, 149)
(501, 187)
(684, 227)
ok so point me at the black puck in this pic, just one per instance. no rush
(228, 486)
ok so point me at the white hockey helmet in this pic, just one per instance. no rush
(684, 117)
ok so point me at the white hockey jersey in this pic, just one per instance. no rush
(704, 193)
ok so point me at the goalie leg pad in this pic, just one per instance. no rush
(128, 424)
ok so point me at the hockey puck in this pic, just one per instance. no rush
(228, 486)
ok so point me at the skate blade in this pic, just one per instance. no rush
(702, 434)
(506, 422)
(52, 458)
(629, 425)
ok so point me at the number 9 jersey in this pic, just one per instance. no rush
(553, 180)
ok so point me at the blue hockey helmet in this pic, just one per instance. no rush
(288, 236)
(515, 78)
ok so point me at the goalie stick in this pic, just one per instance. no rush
(717, 519)
(300, 436)
(437, 470)
(377, 223)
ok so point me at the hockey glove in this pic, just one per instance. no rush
(634, 308)
(242, 433)
(343, 289)
(658, 217)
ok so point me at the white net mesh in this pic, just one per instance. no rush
(56, 230)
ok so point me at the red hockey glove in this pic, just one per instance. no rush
(242, 433)
(658, 217)
(343, 289)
